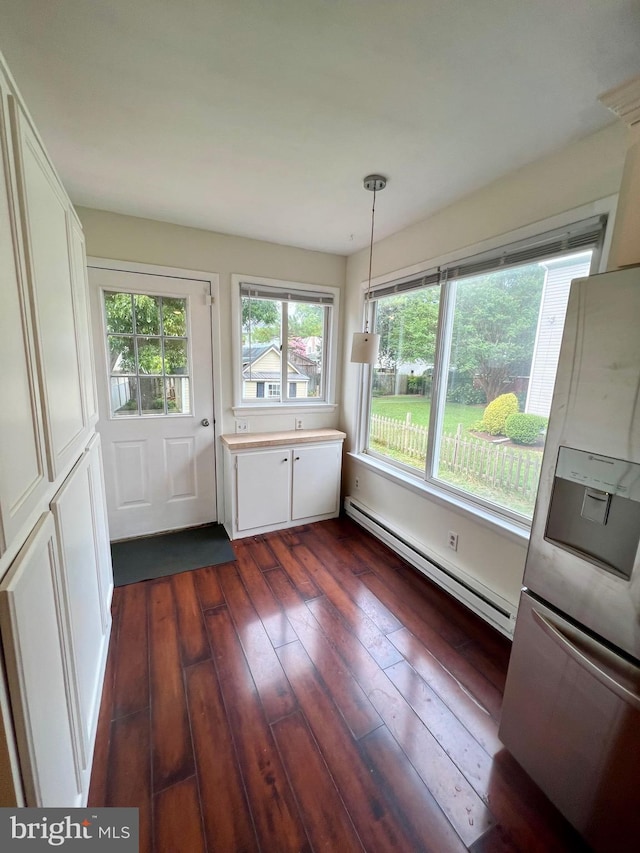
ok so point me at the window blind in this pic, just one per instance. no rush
(264, 291)
(585, 234)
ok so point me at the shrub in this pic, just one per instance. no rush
(524, 429)
(497, 412)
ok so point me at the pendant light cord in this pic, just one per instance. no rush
(373, 214)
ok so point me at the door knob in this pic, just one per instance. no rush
(204, 422)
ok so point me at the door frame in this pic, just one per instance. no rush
(213, 279)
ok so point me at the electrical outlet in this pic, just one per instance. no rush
(453, 540)
(242, 425)
(357, 482)
(299, 423)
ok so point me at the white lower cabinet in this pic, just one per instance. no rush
(33, 630)
(270, 487)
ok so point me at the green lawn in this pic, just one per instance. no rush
(454, 413)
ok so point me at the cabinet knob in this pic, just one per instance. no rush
(286, 459)
(297, 458)
(204, 422)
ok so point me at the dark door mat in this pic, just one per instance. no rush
(170, 553)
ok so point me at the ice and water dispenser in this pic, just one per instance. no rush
(595, 509)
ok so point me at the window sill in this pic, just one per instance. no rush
(282, 408)
(515, 530)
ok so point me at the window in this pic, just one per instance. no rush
(285, 343)
(148, 348)
(459, 338)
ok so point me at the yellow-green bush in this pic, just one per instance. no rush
(497, 412)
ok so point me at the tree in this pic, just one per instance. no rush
(305, 320)
(260, 320)
(494, 329)
(120, 309)
(407, 326)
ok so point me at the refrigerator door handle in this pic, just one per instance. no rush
(629, 696)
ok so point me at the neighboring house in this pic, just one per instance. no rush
(261, 374)
(553, 307)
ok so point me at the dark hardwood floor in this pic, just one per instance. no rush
(315, 694)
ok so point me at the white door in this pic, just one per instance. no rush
(152, 335)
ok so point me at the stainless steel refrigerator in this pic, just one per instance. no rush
(571, 712)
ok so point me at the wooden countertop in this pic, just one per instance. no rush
(243, 441)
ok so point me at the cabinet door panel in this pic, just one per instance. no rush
(101, 529)
(316, 480)
(22, 461)
(79, 558)
(263, 488)
(32, 631)
(82, 321)
(44, 212)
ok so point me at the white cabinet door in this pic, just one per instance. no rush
(74, 509)
(316, 480)
(23, 476)
(263, 488)
(44, 207)
(32, 620)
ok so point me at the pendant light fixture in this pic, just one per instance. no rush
(364, 349)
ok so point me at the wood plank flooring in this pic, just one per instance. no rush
(315, 694)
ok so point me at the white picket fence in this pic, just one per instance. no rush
(510, 469)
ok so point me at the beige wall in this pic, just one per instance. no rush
(579, 174)
(127, 238)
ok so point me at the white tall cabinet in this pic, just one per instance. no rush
(55, 566)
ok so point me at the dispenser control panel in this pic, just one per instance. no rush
(615, 476)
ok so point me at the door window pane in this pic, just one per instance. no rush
(151, 395)
(174, 317)
(149, 355)
(147, 344)
(124, 396)
(147, 314)
(118, 312)
(402, 378)
(177, 393)
(122, 356)
(175, 356)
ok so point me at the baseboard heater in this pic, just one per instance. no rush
(490, 607)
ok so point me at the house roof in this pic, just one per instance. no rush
(251, 356)
(280, 109)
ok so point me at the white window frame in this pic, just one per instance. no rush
(268, 405)
(418, 481)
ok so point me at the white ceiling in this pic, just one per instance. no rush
(261, 117)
